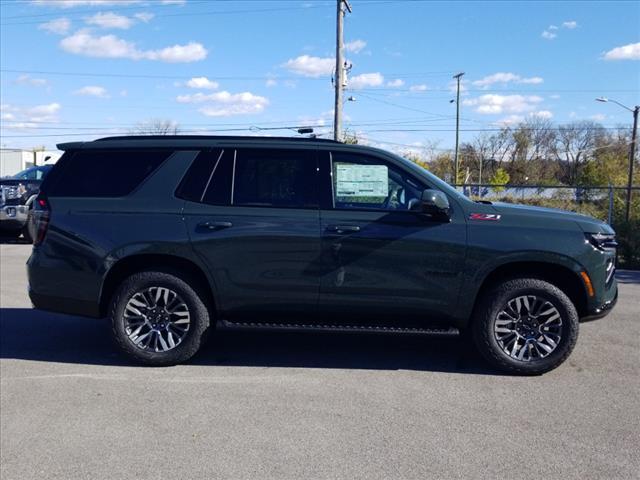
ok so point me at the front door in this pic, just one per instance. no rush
(384, 263)
(254, 220)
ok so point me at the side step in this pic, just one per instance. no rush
(297, 327)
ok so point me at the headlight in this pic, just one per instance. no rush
(602, 241)
(14, 191)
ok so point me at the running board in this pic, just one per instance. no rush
(297, 327)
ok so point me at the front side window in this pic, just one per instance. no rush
(362, 182)
(275, 178)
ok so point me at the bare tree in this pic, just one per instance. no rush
(156, 126)
(575, 144)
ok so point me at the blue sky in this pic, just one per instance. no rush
(81, 69)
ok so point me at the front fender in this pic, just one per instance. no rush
(476, 274)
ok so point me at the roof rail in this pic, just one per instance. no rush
(214, 137)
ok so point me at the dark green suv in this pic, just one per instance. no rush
(170, 237)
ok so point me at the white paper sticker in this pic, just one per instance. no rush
(353, 180)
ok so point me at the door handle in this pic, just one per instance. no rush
(342, 229)
(215, 225)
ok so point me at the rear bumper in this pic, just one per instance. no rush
(603, 310)
(69, 306)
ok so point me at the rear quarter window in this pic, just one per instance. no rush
(102, 173)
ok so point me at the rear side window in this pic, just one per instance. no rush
(103, 173)
(208, 179)
(275, 178)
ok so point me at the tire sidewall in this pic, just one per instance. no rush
(199, 318)
(516, 288)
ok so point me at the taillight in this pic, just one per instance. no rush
(41, 214)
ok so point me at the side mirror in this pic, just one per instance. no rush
(435, 203)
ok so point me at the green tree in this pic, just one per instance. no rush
(499, 178)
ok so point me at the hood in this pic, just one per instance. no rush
(586, 223)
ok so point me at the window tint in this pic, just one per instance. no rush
(361, 182)
(211, 170)
(109, 173)
(275, 178)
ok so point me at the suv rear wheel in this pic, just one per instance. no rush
(158, 319)
(525, 326)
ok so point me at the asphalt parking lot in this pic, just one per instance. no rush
(301, 405)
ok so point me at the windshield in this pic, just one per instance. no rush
(33, 173)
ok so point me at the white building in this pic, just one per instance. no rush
(13, 160)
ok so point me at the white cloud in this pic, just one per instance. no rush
(555, 96)
(271, 82)
(59, 26)
(309, 66)
(355, 46)
(398, 82)
(548, 35)
(202, 82)
(571, 24)
(173, 2)
(225, 104)
(366, 80)
(419, 88)
(27, 117)
(111, 46)
(516, 119)
(504, 77)
(625, 52)
(598, 117)
(552, 27)
(144, 16)
(544, 114)
(492, 104)
(34, 82)
(110, 20)
(92, 91)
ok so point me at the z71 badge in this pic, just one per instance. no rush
(491, 217)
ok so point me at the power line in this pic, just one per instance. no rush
(219, 12)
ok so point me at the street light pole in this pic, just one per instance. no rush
(632, 150)
(457, 164)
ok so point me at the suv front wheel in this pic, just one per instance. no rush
(525, 326)
(158, 319)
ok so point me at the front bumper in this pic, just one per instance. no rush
(13, 217)
(603, 310)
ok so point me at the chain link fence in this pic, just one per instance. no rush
(605, 203)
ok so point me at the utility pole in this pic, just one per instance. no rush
(457, 165)
(339, 76)
(632, 159)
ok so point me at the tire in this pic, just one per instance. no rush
(494, 332)
(128, 327)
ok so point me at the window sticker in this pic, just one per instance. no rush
(353, 180)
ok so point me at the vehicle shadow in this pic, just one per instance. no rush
(12, 239)
(29, 334)
(628, 276)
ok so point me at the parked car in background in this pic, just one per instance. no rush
(17, 194)
(170, 237)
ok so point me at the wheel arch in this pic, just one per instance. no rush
(563, 277)
(175, 265)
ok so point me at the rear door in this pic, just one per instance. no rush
(384, 263)
(253, 218)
